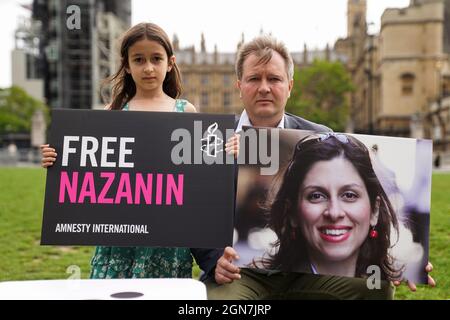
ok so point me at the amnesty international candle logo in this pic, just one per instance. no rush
(212, 144)
(134, 178)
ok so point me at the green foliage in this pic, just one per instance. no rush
(319, 94)
(17, 109)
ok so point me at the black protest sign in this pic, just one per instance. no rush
(139, 179)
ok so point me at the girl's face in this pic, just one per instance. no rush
(334, 211)
(148, 64)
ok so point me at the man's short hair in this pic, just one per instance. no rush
(263, 46)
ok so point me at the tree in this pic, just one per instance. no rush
(17, 109)
(319, 94)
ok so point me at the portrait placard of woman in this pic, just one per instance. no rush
(331, 213)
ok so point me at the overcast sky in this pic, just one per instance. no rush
(314, 22)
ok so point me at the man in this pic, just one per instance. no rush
(265, 71)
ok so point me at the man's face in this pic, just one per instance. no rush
(265, 88)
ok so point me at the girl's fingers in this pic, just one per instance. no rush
(49, 154)
(46, 164)
(48, 160)
(48, 150)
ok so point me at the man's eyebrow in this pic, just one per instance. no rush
(279, 75)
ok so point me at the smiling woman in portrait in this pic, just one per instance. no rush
(331, 214)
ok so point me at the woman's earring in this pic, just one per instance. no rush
(373, 234)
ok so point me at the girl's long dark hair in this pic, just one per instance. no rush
(123, 86)
(291, 243)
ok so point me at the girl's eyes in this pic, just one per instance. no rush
(141, 60)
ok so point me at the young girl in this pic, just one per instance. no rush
(148, 80)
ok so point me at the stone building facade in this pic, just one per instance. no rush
(402, 71)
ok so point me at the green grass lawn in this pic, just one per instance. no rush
(22, 258)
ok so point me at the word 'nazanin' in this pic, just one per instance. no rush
(109, 188)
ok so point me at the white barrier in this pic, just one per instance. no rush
(104, 289)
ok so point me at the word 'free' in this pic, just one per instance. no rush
(89, 146)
